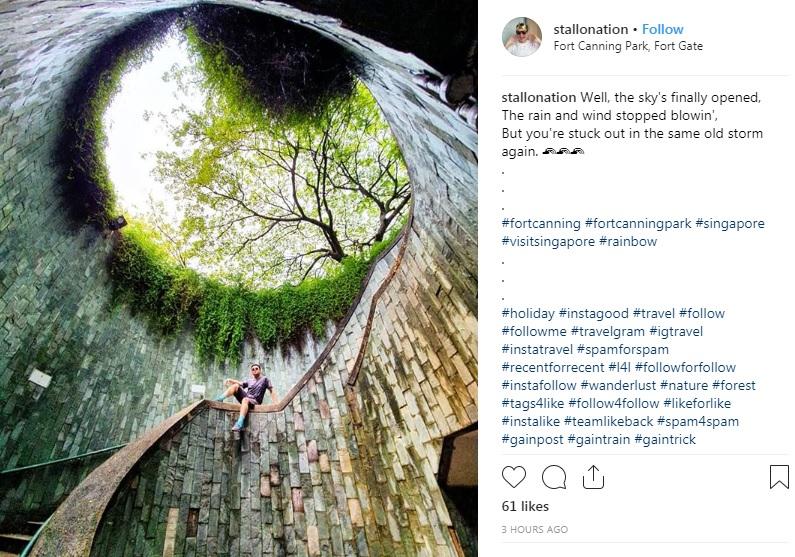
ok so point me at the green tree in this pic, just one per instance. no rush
(271, 199)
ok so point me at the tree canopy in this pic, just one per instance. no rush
(268, 197)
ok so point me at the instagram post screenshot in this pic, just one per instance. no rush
(254, 254)
(635, 279)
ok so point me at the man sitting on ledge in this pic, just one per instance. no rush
(248, 393)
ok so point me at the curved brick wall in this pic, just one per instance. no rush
(112, 379)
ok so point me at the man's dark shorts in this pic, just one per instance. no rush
(240, 394)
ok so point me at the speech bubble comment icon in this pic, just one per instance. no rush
(554, 477)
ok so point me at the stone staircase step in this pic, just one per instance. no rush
(25, 537)
(12, 542)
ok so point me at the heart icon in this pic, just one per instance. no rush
(514, 475)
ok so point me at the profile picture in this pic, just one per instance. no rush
(521, 36)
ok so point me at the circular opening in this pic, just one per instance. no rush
(256, 190)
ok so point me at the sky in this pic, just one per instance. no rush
(131, 137)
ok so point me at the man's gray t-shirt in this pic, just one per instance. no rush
(256, 389)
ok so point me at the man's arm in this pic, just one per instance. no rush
(273, 395)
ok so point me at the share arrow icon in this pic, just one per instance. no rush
(594, 479)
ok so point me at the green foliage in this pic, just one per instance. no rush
(295, 70)
(89, 192)
(171, 297)
(223, 79)
(93, 135)
(145, 278)
(222, 320)
(296, 193)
